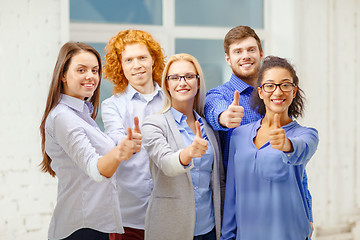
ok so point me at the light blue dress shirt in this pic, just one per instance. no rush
(265, 197)
(133, 176)
(85, 199)
(200, 175)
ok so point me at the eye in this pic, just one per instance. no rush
(95, 70)
(269, 85)
(81, 70)
(252, 50)
(190, 76)
(173, 77)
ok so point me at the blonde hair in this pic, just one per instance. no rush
(113, 70)
(200, 96)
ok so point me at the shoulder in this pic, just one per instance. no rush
(114, 99)
(297, 128)
(222, 89)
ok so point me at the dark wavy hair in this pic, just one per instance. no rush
(296, 108)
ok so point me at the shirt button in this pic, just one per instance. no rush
(195, 188)
(288, 155)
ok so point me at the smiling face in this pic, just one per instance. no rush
(182, 92)
(82, 76)
(137, 66)
(244, 58)
(277, 101)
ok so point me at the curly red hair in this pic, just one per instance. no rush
(113, 70)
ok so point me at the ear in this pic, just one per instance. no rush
(63, 79)
(261, 55)
(294, 91)
(260, 93)
(227, 59)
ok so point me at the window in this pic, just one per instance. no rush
(196, 27)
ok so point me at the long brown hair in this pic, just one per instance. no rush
(66, 53)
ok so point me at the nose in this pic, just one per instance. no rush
(277, 90)
(136, 63)
(182, 80)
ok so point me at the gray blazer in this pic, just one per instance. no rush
(171, 210)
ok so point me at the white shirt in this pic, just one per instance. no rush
(85, 199)
(133, 176)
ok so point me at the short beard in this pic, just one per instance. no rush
(250, 79)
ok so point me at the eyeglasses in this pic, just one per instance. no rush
(271, 87)
(187, 77)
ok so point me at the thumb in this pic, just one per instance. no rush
(236, 98)
(277, 120)
(136, 123)
(129, 133)
(198, 130)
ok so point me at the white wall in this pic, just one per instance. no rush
(322, 38)
(31, 33)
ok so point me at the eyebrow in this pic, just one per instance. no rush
(82, 65)
(283, 80)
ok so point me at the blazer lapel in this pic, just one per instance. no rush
(174, 130)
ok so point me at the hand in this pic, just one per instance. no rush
(231, 118)
(312, 227)
(196, 149)
(136, 134)
(278, 139)
(126, 148)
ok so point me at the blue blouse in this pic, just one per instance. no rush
(265, 197)
(200, 175)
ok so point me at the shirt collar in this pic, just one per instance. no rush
(76, 104)
(179, 117)
(131, 92)
(239, 84)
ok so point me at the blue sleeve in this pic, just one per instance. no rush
(229, 225)
(215, 104)
(304, 145)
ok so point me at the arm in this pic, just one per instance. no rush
(215, 104)
(156, 133)
(304, 147)
(75, 142)
(231, 117)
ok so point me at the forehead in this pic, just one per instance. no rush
(84, 58)
(277, 74)
(135, 49)
(181, 66)
(244, 43)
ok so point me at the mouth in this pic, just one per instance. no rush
(88, 85)
(246, 65)
(138, 74)
(183, 90)
(277, 101)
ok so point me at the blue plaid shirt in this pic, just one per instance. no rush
(218, 100)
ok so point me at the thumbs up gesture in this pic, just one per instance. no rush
(196, 149)
(277, 137)
(232, 117)
(126, 148)
(136, 134)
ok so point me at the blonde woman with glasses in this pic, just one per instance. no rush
(185, 160)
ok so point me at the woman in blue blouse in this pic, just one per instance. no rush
(185, 160)
(75, 150)
(265, 198)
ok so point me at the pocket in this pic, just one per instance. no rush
(271, 167)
